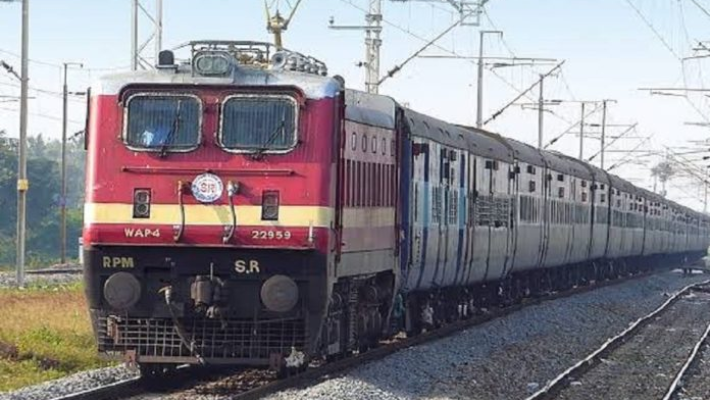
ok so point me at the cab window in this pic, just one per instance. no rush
(259, 123)
(163, 123)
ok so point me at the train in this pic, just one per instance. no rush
(243, 207)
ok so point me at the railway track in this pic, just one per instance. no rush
(54, 271)
(681, 378)
(566, 385)
(252, 384)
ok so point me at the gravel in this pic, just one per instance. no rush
(7, 279)
(508, 358)
(645, 365)
(72, 384)
(696, 385)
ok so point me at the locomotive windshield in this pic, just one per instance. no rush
(163, 123)
(259, 123)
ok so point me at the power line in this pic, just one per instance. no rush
(700, 6)
(653, 29)
(59, 66)
(43, 115)
(41, 91)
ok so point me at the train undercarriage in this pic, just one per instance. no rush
(189, 311)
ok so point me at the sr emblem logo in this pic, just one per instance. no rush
(207, 188)
(247, 267)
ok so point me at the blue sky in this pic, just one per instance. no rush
(609, 50)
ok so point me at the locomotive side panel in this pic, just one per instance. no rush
(369, 234)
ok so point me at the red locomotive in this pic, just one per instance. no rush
(212, 220)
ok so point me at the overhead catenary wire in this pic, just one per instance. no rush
(59, 65)
(653, 28)
(614, 140)
(43, 115)
(569, 130)
(701, 7)
(668, 47)
(442, 48)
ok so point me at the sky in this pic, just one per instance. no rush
(611, 49)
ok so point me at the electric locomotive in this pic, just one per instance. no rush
(210, 216)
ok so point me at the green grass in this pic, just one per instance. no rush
(45, 333)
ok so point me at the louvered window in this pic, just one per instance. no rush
(163, 123)
(259, 123)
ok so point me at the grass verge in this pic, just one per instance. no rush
(45, 334)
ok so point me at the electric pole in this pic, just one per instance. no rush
(479, 97)
(582, 123)
(705, 183)
(373, 44)
(155, 19)
(63, 201)
(541, 111)
(581, 134)
(604, 107)
(22, 182)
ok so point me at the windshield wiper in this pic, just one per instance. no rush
(259, 153)
(174, 127)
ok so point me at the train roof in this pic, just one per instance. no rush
(230, 63)
(567, 165)
(313, 87)
(622, 184)
(370, 109)
(526, 153)
(478, 142)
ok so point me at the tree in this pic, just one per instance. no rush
(43, 198)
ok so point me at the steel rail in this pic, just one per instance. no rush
(126, 387)
(558, 382)
(676, 384)
(54, 271)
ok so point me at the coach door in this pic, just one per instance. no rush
(494, 212)
(472, 266)
(514, 230)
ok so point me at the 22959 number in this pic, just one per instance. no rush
(271, 235)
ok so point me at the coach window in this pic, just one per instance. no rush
(259, 123)
(164, 123)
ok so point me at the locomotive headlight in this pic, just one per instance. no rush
(122, 290)
(141, 203)
(270, 205)
(213, 64)
(279, 293)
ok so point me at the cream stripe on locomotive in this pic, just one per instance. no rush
(368, 217)
(169, 214)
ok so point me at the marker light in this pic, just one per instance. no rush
(270, 205)
(141, 203)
